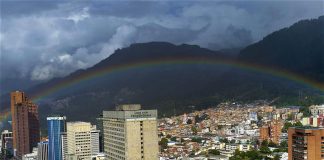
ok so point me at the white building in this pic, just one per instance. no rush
(64, 145)
(316, 109)
(95, 141)
(79, 139)
(31, 156)
(98, 156)
(42, 153)
(130, 133)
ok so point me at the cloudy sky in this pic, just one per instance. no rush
(45, 39)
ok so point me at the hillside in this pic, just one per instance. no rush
(299, 48)
(178, 78)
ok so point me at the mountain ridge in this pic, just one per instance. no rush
(174, 88)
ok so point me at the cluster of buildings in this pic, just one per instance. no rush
(126, 133)
(227, 128)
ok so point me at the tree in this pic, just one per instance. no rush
(284, 144)
(265, 143)
(298, 124)
(265, 150)
(174, 139)
(272, 144)
(196, 139)
(286, 126)
(194, 130)
(214, 152)
(164, 143)
(224, 140)
(276, 157)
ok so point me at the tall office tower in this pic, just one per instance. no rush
(42, 153)
(64, 145)
(79, 139)
(6, 142)
(94, 135)
(130, 133)
(100, 128)
(55, 125)
(25, 123)
(305, 143)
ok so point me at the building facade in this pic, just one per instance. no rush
(316, 110)
(271, 132)
(79, 139)
(64, 148)
(130, 133)
(264, 133)
(56, 125)
(25, 124)
(95, 143)
(6, 142)
(275, 131)
(42, 153)
(305, 143)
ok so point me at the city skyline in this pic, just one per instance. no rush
(162, 80)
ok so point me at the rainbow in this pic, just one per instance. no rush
(5, 116)
(176, 61)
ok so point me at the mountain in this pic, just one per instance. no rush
(180, 78)
(298, 48)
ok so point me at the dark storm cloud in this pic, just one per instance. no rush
(53, 38)
(18, 8)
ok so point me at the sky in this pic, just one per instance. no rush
(44, 39)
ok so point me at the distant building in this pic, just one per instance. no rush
(100, 128)
(42, 152)
(264, 133)
(80, 136)
(305, 143)
(314, 121)
(275, 131)
(64, 148)
(130, 133)
(95, 143)
(98, 156)
(25, 124)
(316, 109)
(56, 126)
(271, 132)
(6, 142)
(31, 156)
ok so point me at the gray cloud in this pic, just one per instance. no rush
(43, 40)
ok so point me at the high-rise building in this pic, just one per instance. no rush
(99, 125)
(94, 135)
(64, 145)
(130, 133)
(305, 143)
(271, 132)
(56, 125)
(42, 153)
(264, 133)
(25, 124)
(275, 131)
(80, 136)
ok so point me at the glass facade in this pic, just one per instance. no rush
(56, 125)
